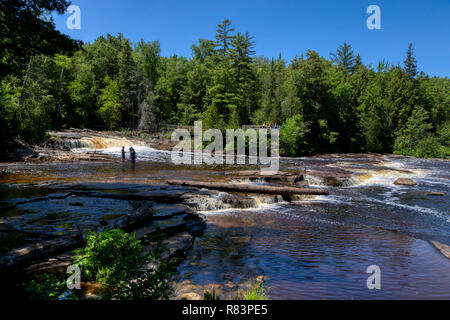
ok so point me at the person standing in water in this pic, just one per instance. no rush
(123, 153)
(132, 155)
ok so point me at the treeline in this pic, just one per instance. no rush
(323, 105)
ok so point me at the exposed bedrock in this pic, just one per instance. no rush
(149, 212)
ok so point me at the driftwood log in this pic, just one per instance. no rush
(249, 188)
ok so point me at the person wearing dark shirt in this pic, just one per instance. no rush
(123, 153)
(132, 155)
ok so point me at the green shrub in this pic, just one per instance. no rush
(114, 258)
(254, 291)
(145, 284)
(110, 257)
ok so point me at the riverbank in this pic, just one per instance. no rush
(59, 145)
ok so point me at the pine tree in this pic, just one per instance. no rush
(242, 53)
(410, 63)
(345, 58)
(224, 37)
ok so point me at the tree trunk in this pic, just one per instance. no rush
(249, 188)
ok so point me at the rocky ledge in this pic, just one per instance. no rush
(147, 211)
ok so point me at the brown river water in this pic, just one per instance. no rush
(314, 248)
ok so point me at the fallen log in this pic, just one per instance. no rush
(249, 188)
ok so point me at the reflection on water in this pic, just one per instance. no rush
(313, 249)
(310, 255)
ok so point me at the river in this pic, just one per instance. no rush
(314, 248)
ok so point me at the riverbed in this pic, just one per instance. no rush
(311, 248)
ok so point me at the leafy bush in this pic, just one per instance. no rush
(114, 258)
(151, 285)
(110, 257)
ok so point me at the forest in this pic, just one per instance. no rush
(322, 104)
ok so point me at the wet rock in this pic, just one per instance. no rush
(76, 204)
(92, 291)
(301, 184)
(16, 150)
(405, 182)
(165, 211)
(436, 194)
(261, 279)
(340, 178)
(443, 248)
(237, 200)
(296, 179)
(178, 245)
(190, 296)
(57, 264)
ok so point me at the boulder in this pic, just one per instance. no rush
(405, 182)
(443, 248)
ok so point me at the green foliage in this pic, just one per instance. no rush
(417, 138)
(292, 136)
(254, 292)
(26, 30)
(110, 257)
(49, 287)
(374, 120)
(110, 106)
(444, 134)
(115, 258)
(150, 285)
(345, 58)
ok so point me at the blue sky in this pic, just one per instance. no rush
(288, 27)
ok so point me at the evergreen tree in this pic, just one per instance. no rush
(410, 63)
(224, 37)
(345, 58)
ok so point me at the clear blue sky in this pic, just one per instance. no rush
(286, 26)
